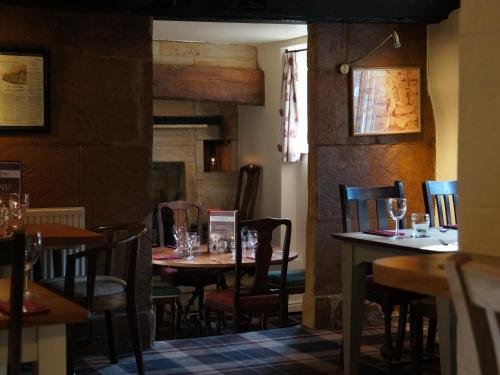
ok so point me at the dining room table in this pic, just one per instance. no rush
(359, 249)
(57, 235)
(44, 333)
(203, 259)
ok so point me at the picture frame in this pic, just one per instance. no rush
(386, 101)
(25, 91)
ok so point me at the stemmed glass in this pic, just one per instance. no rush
(252, 241)
(179, 232)
(32, 251)
(397, 210)
(193, 241)
(25, 203)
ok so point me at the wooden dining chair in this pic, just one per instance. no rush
(246, 193)
(441, 198)
(475, 288)
(259, 297)
(106, 293)
(178, 212)
(12, 253)
(376, 217)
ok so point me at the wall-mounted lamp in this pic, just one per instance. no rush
(344, 68)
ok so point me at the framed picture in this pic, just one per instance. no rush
(24, 91)
(385, 100)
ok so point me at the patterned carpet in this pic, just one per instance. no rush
(293, 350)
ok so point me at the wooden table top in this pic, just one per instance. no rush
(423, 245)
(203, 259)
(65, 235)
(62, 311)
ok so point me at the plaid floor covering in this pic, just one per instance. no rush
(294, 350)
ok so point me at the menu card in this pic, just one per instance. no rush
(221, 227)
(10, 177)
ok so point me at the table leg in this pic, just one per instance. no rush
(52, 349)
(353, 290)
(447, 327)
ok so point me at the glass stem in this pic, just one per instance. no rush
(26, 278)
(397, 229)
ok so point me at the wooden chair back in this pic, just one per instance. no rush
(12, 253)
(361, 196)
(441, 196)
(263, 256)
(120, 237)
(179, 210)
(246, 193)
(475, 288)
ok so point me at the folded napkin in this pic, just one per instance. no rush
(383, 233)
(166, 257)
(250, 257)
(451, 226)
(30, 307)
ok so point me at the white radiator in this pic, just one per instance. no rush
(74, 216)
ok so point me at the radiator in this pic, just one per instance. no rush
(74, 216)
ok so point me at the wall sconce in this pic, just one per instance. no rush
(344, 68)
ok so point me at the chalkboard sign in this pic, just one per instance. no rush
(10, 177)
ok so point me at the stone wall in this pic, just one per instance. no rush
(335, 157)
(213, 189)
(98, 154)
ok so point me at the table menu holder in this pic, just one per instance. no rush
(221, 227)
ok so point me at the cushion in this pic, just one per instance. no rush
(294, 278)
(222, 300)
(163, 291)
(109, 291)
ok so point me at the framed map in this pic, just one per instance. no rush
(386, 100)
(24, 91)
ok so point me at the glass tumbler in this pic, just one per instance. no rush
(420, 224)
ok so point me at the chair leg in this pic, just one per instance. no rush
(173, 318)
(208, 324)
(263, 321)
(416, 338)
(284, 311)
(201, 301)
(220, 319)
(111, 337)
(178, 317)
(387, 350)
(400, 338)
(135, 334)
(431, 337)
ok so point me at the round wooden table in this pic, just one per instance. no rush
(204, 259)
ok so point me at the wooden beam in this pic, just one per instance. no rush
(242, 86)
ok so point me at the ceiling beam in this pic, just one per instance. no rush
(422, 11)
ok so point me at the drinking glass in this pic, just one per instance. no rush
(15, 210)
(24, 203)
(221, 246)
(420, 224)
(397, 210)
(179, 232)
(252, 241)
(32, 251)
(232, 246)
(4, 220)
(193, 242)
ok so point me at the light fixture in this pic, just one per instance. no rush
(344, 68)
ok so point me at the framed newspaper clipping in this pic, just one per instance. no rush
(24, 91)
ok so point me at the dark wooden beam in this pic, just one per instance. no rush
(426, 11)
(242, 86)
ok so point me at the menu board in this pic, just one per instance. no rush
(10, 177)
(221, 227)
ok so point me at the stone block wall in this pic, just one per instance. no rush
(336, 157)
(98, 153)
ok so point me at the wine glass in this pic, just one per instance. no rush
(32, 251)
(24, 203)
(252, 241)
(15, 209)
(193, 241)
(179, 232)
(397, 210)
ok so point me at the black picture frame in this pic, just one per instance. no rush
(24, 71)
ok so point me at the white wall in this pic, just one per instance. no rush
(443, 61)
(283, 189)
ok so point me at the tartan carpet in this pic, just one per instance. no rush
(294, 350)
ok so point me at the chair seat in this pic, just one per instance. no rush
(109, 293)
(222, 300)
(377, 293)
(193, 278)
(295, 279)
(164, 291)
